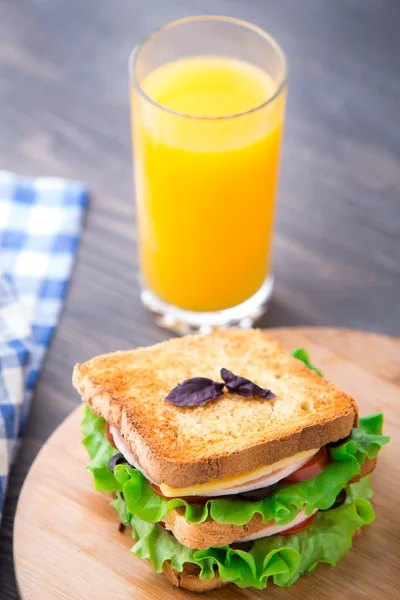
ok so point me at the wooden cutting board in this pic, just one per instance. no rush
(66, 539)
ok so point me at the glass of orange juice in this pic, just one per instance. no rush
(207, 98)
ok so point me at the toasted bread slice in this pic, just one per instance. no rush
(209, 533)
(185, 446)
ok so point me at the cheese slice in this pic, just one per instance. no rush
(255, 479)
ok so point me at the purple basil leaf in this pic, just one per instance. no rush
(195, 392)
(244, 387)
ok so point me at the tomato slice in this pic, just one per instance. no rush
(366, 468)
(300, 526)
(313, 467)
(188, 499)
(109, 436)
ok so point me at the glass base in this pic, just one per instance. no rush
(183, 321)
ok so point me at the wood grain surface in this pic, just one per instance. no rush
(65, 111)
(67, 544)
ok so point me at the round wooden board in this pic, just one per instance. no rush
(66, 539)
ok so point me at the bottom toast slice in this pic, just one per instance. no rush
(189, 578)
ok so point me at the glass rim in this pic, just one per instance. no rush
(241, 23)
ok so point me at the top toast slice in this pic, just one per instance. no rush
(184, 446)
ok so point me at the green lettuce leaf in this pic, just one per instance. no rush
(319, 492)
(120, 506)
(282, 559)
(99, 450)
(368, 437)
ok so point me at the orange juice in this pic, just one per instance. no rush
(206, 173)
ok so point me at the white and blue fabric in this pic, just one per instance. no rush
(40, 225)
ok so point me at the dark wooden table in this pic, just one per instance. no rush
(64, 111)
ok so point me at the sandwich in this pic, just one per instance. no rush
(232, 461)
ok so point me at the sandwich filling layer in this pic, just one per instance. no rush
(256, 479)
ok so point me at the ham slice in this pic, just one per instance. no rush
(277, 529)
(126, 453)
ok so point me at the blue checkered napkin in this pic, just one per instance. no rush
(40, 225)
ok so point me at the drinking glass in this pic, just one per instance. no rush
(207, 103)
